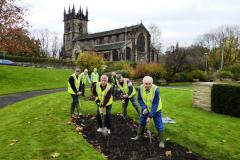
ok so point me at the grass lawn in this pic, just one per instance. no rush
(18, 79)
(40, 125)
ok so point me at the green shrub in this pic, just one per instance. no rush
(224, 74)
(235, 70)
(90, 61)
(226, 99)
(155, 70)
(197, 74)
(181, 77)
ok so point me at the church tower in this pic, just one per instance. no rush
(75, 25)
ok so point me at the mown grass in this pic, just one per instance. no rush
(18, 79)
(211, 135)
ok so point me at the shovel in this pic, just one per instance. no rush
(104, 129)
(149, 133)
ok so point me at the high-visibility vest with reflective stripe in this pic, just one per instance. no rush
(76, 83)
(95, 77)
(148, 97)
(125, 88)
(84, 78)
(102, 94)
(113, 80)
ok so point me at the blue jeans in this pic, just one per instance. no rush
(157, 120)
(107, 118)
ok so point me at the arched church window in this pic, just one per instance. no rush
(141, 43)
(80, 28)
(68, 27)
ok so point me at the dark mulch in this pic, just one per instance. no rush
(119, 146)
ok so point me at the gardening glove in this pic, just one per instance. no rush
(125, 96)
(97, 102)
(145, 111)
(100, 109)
(79, 93)
(148, 120)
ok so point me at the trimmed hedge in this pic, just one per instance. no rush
(226, 99)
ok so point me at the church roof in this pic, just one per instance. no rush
(108, 33)
(109, 46)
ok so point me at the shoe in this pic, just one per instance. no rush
(161, 140)
(109, 131)
(99, 130)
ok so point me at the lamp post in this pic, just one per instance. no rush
(221, 55)
(206, 62)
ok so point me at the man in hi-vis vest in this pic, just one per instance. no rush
(128, 93)
(74, 89)
(104, 99)
(84, 78)
(151, 104)
(94, 78)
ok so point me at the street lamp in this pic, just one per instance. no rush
(206, 62)
(221, 55)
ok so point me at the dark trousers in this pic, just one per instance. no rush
(75, 104)
(125, 105)
(83, 89)
(93, 86)
(107, 117)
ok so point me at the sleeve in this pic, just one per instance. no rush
(140, 100)
(155, 103)
(107, 98)
(130, 88)
(91, 77)
(71, 81)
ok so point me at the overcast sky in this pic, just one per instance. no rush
(179, 20)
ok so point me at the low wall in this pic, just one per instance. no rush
(202, 95)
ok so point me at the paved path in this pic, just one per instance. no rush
(16, 97)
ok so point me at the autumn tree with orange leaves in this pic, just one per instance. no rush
(14, 36)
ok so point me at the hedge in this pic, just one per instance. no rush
(226, 99)
(36, 60)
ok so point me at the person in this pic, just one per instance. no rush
(94, 79)
(84, 78)
(113, 82)
(74, 89)
(151, 104)
(104, 99)
(128, 93)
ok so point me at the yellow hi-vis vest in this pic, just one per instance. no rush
(102, 94)
(94, 77)
(84, 77)
(76, 82)
(148, 97)
(125, 88)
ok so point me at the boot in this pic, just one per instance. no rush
(139, 133)
(161, 139)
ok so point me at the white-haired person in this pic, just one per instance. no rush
(128, 93)
(104, 99)
(151, 104)
(94, 78)
(84, 79)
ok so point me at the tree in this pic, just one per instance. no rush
(226, 40)
(175, 60)
(14, 37)
(155, 36)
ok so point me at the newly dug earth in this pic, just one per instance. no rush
(119, 146)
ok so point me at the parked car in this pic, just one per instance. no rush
(6, 62)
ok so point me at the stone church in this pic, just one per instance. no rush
(130, 43)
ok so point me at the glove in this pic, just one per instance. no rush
(145, 111)
(97, 102)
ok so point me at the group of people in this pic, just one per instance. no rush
(104, 90)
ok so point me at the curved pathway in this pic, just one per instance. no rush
(6, 100)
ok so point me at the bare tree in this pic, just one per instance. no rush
(155, 36)
(55, 44)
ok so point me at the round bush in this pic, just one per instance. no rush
(224, 74)
(197, 74)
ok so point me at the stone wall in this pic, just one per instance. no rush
(202, 95)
